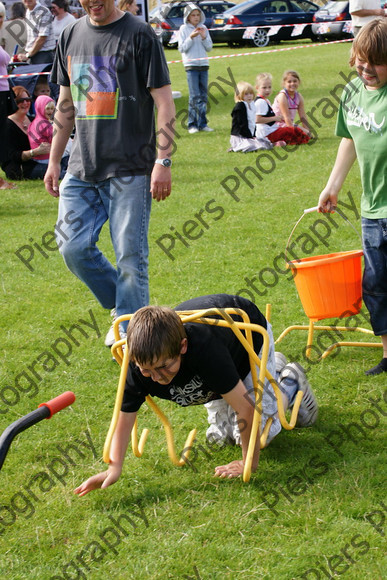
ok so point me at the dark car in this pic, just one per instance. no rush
(170, 17)
(333, 21)
(238, 25)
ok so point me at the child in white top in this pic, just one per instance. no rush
(267, 122)
(289, 102)
(194, 44)
(243, 121)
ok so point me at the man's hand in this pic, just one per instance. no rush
(160, 182)
(101, 480)
(51, 179)
(231, 470)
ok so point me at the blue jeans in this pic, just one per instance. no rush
(375, 272)
(84, 207)
(197, 104)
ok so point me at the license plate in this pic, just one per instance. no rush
(218, 21)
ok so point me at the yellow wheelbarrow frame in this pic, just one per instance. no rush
(243, 331)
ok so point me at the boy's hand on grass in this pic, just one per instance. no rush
(101, 480)
(233, 469)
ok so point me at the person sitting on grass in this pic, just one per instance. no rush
(196, 364)
(243, 121)
(289, 102)
(267, 122)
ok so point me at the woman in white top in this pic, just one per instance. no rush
(62, 16)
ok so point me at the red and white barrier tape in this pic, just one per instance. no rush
(314, 45)
(14, 76)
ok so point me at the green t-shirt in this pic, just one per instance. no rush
(362, 117)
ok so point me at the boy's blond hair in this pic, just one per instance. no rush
(154, 332)
(242, 89)
(263, 77)
(370, 44)
(290, 73)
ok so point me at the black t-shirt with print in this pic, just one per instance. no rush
(214, 362)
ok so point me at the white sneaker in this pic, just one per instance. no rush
(193, 130)
(280, 362)
(207, 129)
(308, 411)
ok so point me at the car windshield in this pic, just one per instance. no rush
(258, 7)
(241, 7)
(176, 12)
(334, 7)
(303, 6)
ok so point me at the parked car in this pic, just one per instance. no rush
(230, 26)
(331, 21)
(170, 17)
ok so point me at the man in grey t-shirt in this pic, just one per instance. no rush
(112, 71)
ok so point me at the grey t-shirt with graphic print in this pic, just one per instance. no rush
(110, 70)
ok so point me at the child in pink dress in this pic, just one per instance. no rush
(289, 102)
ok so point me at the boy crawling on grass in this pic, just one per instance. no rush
(196, 364)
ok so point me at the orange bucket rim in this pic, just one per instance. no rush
(311, 261)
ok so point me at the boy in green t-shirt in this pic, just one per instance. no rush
(362, 124)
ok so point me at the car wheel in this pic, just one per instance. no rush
(261, 38)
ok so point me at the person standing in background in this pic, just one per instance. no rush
(363, 11)
(62, 16)
(112, 73)
(128, 6)
(40, 38)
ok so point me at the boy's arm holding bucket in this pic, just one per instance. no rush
(240, 401)
(345, 158)
(119, 446)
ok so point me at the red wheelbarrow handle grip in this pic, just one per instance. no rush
(59, 403)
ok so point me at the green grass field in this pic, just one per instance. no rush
(314, 509)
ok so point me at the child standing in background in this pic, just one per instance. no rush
(243, 121)
(194, 43)
(267, 121)
(289, 101)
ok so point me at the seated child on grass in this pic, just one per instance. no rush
(289, 102)
(243, 121)
(196, 364)
(267, 122)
